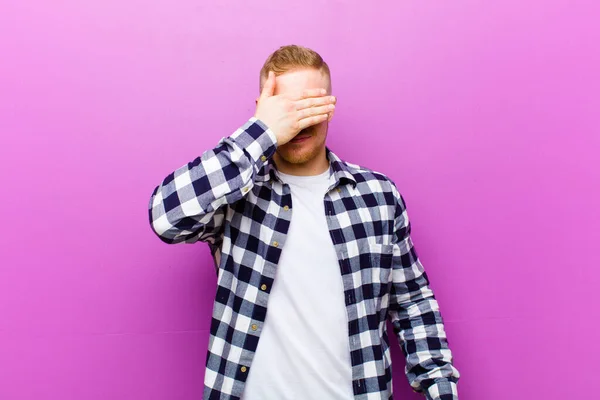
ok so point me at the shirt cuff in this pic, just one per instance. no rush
(442, 390)
(256, 139)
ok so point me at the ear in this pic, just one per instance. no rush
(330, 116)
(333, 112)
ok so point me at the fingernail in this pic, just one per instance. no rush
(323, 91)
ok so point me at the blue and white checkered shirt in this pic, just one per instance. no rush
(230, 198)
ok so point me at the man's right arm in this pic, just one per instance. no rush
(190, 203)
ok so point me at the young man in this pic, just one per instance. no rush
(313, 254)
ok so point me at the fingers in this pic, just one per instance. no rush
(310, 121)
(314, 111)
(309, 93)
(269, 86)
(315, 102)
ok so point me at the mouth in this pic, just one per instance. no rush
(301, 138)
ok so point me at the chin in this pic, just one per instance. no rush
(294, 158)
(299, 156)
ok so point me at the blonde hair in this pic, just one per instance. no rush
(291, 57)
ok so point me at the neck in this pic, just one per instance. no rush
(315, 166)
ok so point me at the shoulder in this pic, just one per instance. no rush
(371, 181)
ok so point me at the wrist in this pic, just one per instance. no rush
(256, 139)
(442, 389)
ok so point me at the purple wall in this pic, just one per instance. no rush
(485, 113)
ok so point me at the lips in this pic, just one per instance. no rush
(299, 138)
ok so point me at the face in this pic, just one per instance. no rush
(305, 150)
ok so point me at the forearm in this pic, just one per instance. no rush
(416, 318)
(420, 330)
(189, 203)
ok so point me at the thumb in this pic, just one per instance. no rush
(269, 86)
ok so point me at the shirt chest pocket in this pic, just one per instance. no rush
(376, 275)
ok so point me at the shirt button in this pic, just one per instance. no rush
(286, 208)
(275, 243)
(338, 189)
(245, 190)
(254, 327)
(243, 369)
(263, 158)
(263, 287)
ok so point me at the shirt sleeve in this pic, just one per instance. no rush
(416, 318)
(190, 204)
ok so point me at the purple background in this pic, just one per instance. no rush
(485, 113)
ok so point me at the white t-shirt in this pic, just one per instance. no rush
(303, 351)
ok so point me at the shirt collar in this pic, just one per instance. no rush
(338, 167)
